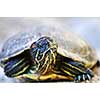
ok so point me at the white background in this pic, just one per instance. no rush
(50, 91)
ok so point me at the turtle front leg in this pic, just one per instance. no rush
(84, 76)
(75, 69)
(78, 73)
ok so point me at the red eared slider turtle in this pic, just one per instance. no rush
(47, 57)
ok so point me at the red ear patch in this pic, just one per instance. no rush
(33, 45)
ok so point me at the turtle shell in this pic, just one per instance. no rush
(69, 45)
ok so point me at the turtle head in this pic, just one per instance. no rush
(43, 53)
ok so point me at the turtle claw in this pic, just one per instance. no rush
(83, 77)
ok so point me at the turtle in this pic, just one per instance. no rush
(48, 56)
